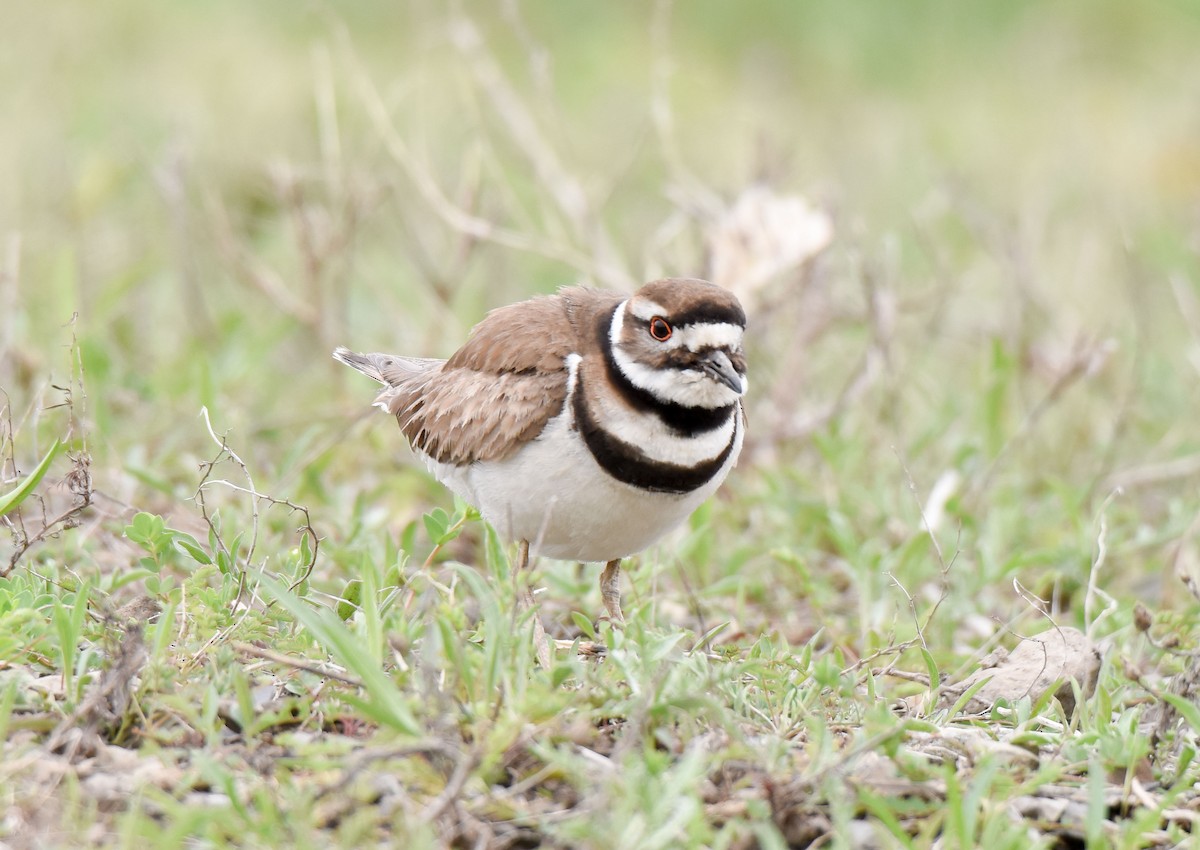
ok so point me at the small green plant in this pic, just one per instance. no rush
(443, 527)
(25, 628)
(68, 617)
(383, 701)
(165, 547)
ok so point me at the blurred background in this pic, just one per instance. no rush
(967, 236)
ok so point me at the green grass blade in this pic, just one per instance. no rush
(1186, 708)
(382, 694)
(13, 498)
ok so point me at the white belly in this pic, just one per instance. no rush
(554, 494)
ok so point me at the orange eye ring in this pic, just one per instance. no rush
(660, 329)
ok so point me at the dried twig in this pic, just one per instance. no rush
(295, 663)
(225, 452)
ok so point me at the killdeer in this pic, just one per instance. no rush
(583, 425)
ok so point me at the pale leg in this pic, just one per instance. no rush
(610, 592)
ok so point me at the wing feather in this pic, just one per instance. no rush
(499, 390)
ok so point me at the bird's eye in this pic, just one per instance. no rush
(659, 329)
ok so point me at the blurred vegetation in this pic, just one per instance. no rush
(198, 201)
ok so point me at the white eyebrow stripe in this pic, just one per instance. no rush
(647, 310)
(707, 335)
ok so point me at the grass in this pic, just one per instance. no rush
(233, 613)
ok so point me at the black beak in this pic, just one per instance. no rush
(717, 365)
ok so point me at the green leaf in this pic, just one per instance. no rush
(214, 539)
(450, 534)
(305, 551)
(967, 695)
(245, 702)
(129, 577)
(394, 577)
(882, 808)
(935, 675)
(659, 648)
(68, 621)
(13, 498)
(1037, 709)
(1186, 708)
(145, 529)
(235, 549)
(707, 638)
(187, 544)
(584, 625)
(497, 560)
(456, 660)
(351, 599)
(8, 698)
(1186, 756)
(436, 523)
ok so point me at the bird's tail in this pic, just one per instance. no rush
(391, 370)
(364, 363)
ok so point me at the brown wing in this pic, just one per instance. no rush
(498, 391)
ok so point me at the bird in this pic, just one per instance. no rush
(583, 425)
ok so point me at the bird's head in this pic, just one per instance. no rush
(680, 340)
